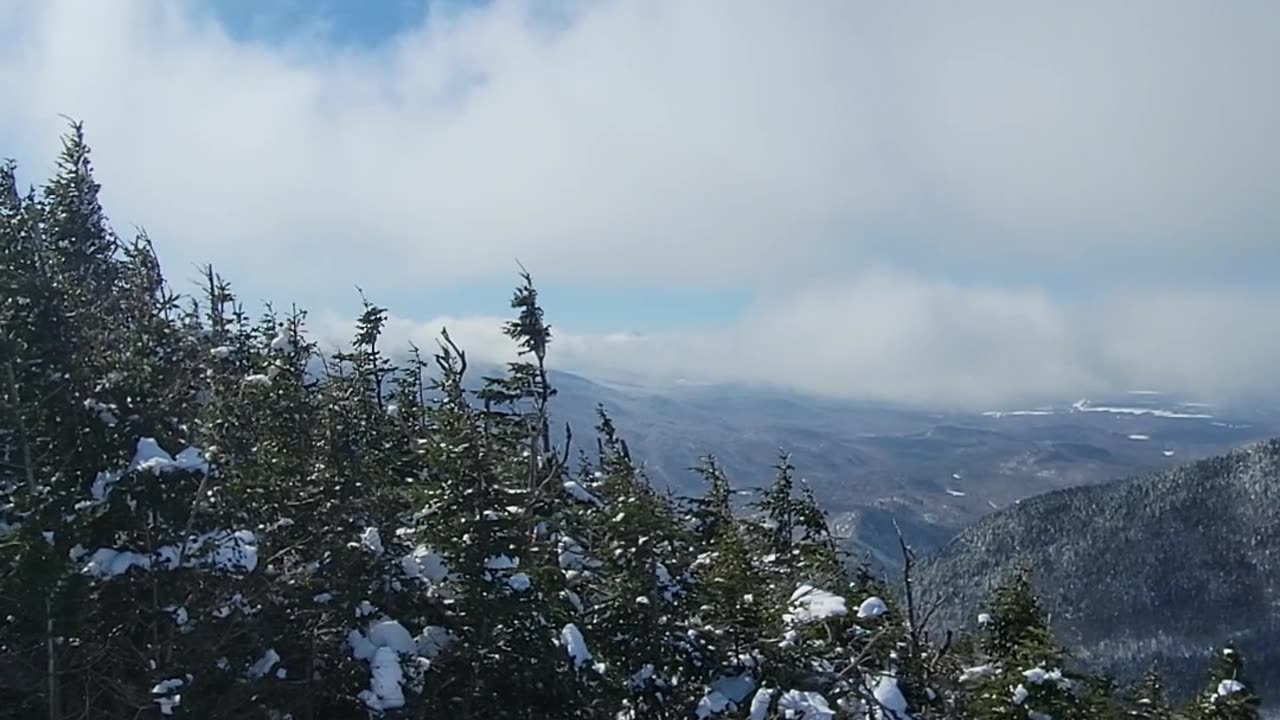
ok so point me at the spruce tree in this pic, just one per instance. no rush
(1228, 695)
(1148, 700)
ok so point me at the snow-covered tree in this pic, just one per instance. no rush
(1228, 695)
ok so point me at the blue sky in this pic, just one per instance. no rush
(921, 202)
(352, 22)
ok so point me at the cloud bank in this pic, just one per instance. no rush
(890, 337)
(994, 153)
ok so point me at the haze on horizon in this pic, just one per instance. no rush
(970, 206)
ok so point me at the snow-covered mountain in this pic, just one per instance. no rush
(1142, 571)
(931, 472)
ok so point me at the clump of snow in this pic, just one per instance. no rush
(1168, 453)
(1020, 694)
(984, 618)
(218, 550)
(892, 705)
(181, 618)
(574, 644)
(579, 493)
(109, 562)
(639, 679)
(385, 676)
(955, 493)
(804, 705)
(713, 703)
(501, 562)
(371, 540)
(432, 641)
(222, 352)
(100, 490)
(810, 604)
(977, 672)
(165, 694)
(282, 343)
(519, 582)
(425, 563)
(106, 413)
(382, 646)
(257, 380)
(1139, 437)
(726, 694)
(572, 556)
(1230, 687)
(668, 585)
(760, 703)
(150, 457)
(872, 607)
(264, 664)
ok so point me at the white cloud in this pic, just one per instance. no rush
(898, 338)
(717, 143)
(670, 140)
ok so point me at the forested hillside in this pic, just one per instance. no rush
(1148, 571)
(195, 523)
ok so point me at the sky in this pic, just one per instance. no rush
(950, 204)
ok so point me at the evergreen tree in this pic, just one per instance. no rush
(1228, 695)
(1022, 670)
(1148, 700)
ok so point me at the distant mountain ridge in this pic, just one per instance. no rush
(1153, 569)
(871, 465)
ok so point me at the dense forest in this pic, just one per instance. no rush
(1149, 570)
(203, 516)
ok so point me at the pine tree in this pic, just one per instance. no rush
(1148, 700)
(1017, 630)
(1228, 695)
(1022, 670)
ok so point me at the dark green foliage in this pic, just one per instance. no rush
(1149, 700)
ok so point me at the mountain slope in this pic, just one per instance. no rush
(1153, 569)
(870, 465)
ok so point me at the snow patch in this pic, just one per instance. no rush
(574, 644)
(581, 494)
(1230, 687)
(150, 457)
(1085, 406)
(872, 607)
(760, 703)
(892, 703)
(810, 604)
(804, 705)
(218, 550)
(426, 564)
(264, 663)
(371, 540)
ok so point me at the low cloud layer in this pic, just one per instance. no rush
(1003, 156)
(896, 338)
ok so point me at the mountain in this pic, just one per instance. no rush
(1157, 568)
(872, 465)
